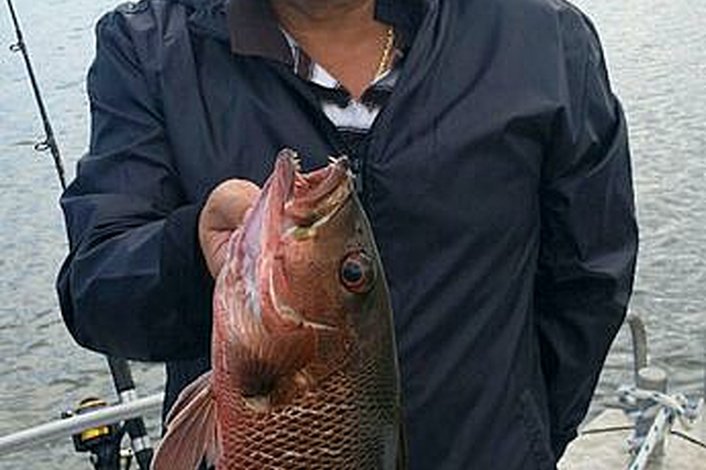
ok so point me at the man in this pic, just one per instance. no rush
(490, 155)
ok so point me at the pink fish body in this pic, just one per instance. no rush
(304, 372)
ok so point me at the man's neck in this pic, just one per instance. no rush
(341, 35)
(344, 17)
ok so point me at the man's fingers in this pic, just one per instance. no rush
(228, 204)
(223, 213)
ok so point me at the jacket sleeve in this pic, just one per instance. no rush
(135, 283)
(589, 234)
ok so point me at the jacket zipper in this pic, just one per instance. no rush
(357, 169)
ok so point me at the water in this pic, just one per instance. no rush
(657, 61)
(658, 67)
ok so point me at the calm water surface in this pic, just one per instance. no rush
(657, 59)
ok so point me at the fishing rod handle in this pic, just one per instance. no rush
(122, 377)
(135, 428)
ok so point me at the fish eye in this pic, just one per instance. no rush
(357, 273)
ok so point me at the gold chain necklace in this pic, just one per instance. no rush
(386, 52)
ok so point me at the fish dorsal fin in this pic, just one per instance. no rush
(191, 429)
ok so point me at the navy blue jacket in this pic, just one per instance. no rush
(497, 181)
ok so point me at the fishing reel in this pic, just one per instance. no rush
(102, 442)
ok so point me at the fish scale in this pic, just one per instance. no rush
(304, 435)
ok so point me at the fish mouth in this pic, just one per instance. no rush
(296, 203)
(313, 198)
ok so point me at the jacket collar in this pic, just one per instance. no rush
(207, 17)
(250, 28)
(254, 31)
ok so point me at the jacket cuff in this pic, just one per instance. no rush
(186, 280)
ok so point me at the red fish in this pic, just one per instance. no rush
(304, 372)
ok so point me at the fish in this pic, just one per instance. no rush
(304, 371)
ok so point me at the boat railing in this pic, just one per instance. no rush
(68, 427)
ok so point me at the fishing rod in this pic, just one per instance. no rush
(49, 142)
(119, 367)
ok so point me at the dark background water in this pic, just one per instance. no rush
(657, 59)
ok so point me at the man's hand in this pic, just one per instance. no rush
(223, 212)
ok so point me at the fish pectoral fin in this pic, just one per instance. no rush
(192, 393)
(272, 374)
(191, 433)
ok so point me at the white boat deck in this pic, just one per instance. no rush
(602, 444)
